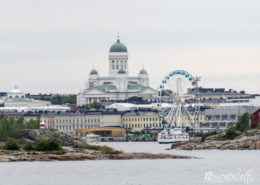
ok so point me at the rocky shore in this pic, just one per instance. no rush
(76, 156)
(247, 141)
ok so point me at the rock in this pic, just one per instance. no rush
(247, 141)
(40, 134)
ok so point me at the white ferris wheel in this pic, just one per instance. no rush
(179, 89)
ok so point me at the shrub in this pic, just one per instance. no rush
(29, 146)
(202, 138)
(48, 145)
(231, 133)
(11, 144)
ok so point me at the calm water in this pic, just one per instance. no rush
(243, 165)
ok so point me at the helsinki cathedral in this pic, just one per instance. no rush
(118, 85)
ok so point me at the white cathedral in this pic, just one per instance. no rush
(118, 85)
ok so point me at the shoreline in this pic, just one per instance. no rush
(74, 156)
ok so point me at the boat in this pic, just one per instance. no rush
(91, 138)
(172, 135)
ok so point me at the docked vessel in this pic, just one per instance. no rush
(91, 138)
(172, 135)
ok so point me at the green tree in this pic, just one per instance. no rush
(60, 100)
(94, 105)
(243, 122)
(11, 127)
(33, 124)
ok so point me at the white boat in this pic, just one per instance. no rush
(91, 138)
(172, 135)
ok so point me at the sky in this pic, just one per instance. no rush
(51, 46)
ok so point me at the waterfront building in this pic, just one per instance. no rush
(118, 85)
(139, 120)
(68, 122)
(225, 117)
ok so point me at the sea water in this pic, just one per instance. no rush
(213, 167)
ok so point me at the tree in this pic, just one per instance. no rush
(243, 122)
(94, 105)
(10, 127)
(60, 100)
(33, 124)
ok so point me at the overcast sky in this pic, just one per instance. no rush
(51, 45)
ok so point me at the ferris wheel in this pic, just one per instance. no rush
(179, 89)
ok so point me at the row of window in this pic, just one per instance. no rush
(72, 127)
(16, 97)
(78, 121)
(117, 67)
(140, 119)
(117, 62)
(141, 125)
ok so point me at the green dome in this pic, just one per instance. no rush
(142, 72)
(121, 71)
(93, 72)
(118, 47)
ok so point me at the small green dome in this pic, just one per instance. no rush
(93, 72)
(143, 72)
(118, 47)
(121, 71)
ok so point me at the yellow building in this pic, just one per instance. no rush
(137, 121)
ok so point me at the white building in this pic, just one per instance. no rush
(225, 117)
(67, 122)
(16, 98)
(118, 85)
